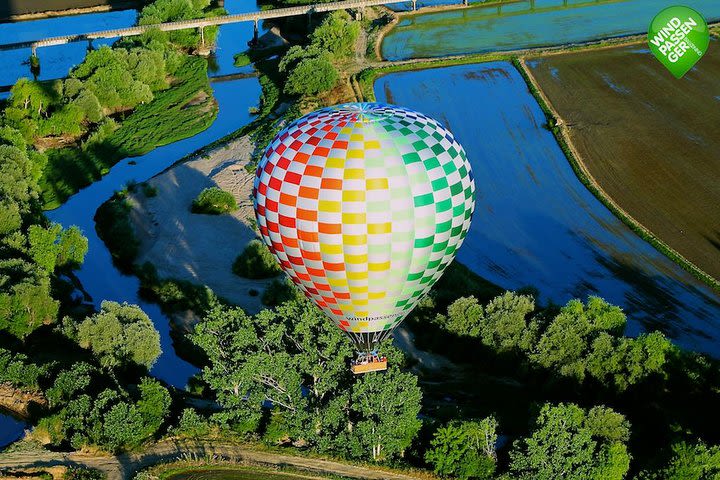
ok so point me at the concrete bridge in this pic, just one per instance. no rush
(254, 17)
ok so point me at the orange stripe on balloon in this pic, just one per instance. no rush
(286, 199)
(334, 267)
(329, 228)
(307, 236)
(308, 192)
(331, 183)
(303, 214)
(310, 255)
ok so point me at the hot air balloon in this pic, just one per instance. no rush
(364, 205)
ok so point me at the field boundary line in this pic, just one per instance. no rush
(562, 135)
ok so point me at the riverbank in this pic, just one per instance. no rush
(195, 247)
(19, 402)
(38, 9)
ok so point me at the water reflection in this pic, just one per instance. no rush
(10, 429)
(535, 223)
(98, 275)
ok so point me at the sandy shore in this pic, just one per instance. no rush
(195, 247)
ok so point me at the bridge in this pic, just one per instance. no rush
(201, 23)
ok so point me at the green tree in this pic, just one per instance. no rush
(153, 405)
(69, 383)
(464, 449)
(385, 410)
(27, 304)
(256, 261)
(120, 334)
(571, 443)
(337, 34)
(690, 462)
(621, 362)
(464, 317)
(566, 342)
(312, 76)
(294, 362)
(17, 370)
(33, 99)
(214, 201)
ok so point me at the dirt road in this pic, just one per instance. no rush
(124, 466)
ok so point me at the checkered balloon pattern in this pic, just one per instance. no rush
(364, 205)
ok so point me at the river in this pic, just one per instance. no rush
(529, 23)
(535, 224)
(98, 275)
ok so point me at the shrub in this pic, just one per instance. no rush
(256, 261)
(279, 292)
(214, 201)
(242, 59)
(82, 473)
(312, 76)
(149, 190)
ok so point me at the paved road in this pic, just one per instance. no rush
(124, 466)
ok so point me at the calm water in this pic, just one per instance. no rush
(526, 24)
(10, 429)
(535, 224)
(98, 275)
(55, 62)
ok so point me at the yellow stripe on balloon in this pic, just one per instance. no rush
(376, 183)
(329, 206)
(354, 218)
(357, 276)
(335, 163)
(356, 259)
(354, 173)
(378, 228)
(353, 195)
(379, 267)
(355, 239)
(329, 249)
(338, 282)
(376, 295)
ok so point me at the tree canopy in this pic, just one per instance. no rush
(464, 449)
(293, 362)
(120, 334)
(572, 443)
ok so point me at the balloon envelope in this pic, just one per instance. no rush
(364, 206)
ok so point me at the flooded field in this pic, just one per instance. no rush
(649, 140)
(530, 23)
(535, 224)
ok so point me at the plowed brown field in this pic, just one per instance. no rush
(651, 142)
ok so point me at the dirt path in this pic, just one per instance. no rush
(124, 466)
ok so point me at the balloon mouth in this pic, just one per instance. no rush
(367, 342)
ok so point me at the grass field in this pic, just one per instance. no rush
(179, 112)
(650, 141)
